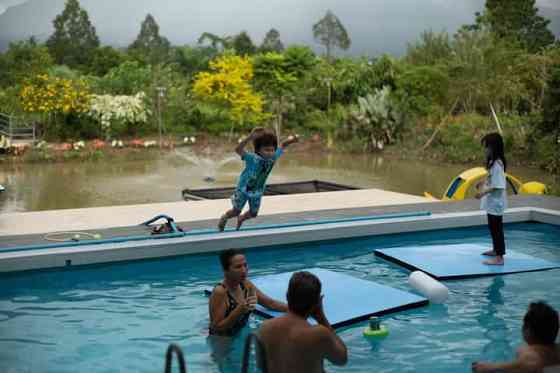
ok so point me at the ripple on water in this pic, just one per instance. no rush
(102, 322)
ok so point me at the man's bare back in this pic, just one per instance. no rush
(538, 357)
(294, 346)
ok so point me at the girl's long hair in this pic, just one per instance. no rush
(495, 143)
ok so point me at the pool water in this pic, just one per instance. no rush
(121, 317)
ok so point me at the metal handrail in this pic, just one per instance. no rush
(180, 357)
(261, 354)
(9, 130)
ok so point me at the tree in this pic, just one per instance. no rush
(300, 60)
(243, 45)
(192, 60)
(517, 20)
(485, 70)
(22, 60)
(275, 77)
(216, 41)
(128, 78)
(272, 42)
(150, 46)
(49, 96)
(104, 59)
(330, 32)
(552, 103)
(74, 36)
(228, 84)
(424, 89)
(431, 49)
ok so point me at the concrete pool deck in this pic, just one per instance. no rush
(99, 218)
(29, 228)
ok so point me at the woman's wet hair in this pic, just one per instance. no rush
(304, 292)
(495, 143)
(266, 139)
(226, 255)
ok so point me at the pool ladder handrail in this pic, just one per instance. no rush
(261, 353)
(180, 357)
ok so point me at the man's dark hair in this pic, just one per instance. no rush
(541, 320)
(304, 292)
(226, 255)
(266, 139)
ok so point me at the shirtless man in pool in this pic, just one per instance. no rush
(292, 344)
(541, 354)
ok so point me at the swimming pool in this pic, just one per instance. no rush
(121, 317)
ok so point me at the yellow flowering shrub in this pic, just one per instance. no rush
(48, 94)
(229, 84)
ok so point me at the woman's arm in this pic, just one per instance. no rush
(217, 309)
(265, 301)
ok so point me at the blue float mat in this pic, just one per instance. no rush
(347, 300)
(446, 262)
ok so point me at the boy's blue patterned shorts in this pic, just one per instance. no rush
(239, 199)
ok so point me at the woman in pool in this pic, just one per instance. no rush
(233, 299)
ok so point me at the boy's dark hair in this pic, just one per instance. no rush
(495, 143)
(304, 292)
(541, 320)
(267, 138)
(226, 255)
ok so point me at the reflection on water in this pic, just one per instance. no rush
(47, 186)
(496, 330)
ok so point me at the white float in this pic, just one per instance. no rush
(429, 287)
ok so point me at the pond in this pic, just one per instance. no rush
(120, 181)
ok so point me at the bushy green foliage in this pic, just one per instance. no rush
(432, 48)
(423, 90)
(104, 59)
(192, 60)
(22, 60)
(377, 120)
(128, 78)
(459, 139)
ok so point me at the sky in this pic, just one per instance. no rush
(375, 26)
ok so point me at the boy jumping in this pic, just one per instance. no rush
(252, 181)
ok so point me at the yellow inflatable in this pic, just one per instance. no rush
(457, 189)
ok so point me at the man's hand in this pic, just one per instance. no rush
(252, 302)
(246, 306)
(318, 314)
(480, 367)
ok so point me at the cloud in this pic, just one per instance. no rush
(5, 4)
(553, 4)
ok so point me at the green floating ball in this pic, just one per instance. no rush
(381, 332)
(97, 236)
